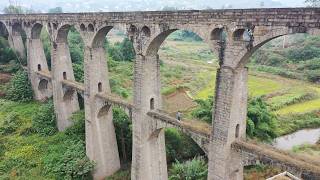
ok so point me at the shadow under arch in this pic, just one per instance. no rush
(68, 95)
(4, 30)
(104, 111)
(176, 141)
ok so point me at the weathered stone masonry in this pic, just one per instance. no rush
(232, 34)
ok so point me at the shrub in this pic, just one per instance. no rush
(6, 53)
(77, 130)
(10, 124)
(313, 76)
(78, 72)
(261, 123)
(204, 110)
(69, 161)
(19, 88)
(192, 169)
(44, 121)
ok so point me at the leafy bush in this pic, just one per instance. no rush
(261, 123)
(44, 121)
(19, 88)
(204, 110)
(77, 130)
(313, 76)
(78, 72)
(189, 170)
(9, 124)
(68, 161)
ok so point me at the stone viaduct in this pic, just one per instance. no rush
(232, 34)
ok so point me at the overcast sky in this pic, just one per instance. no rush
(134, 5)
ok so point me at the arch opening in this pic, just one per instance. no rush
(39, 67)
(83, 27)
(64, 74)
(237, 131)
(99, 87)
(218, 34)
(146, 31)
(90, 28)
(152, 104)
(43, 85)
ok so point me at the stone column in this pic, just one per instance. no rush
(101, 142)
(229, 124)
(36, 61)
(65, 101)
(16, 42)
(148, 153)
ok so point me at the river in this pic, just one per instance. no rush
(305, 136)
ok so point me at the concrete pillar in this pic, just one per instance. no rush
(148, 153)
(65, 101)
(36, 61)
(101, 142)
(229, 124)
(16, 42)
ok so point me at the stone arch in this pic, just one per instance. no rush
(146, 32)
(62, 35)
(104, 111)
(237, 35)
(83, 27)
(100, 37)
(261, 40)
(218, 34)
(156, 40)
(43, 85)
(36, 31)
(90, 28)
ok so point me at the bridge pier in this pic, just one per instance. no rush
(15, 40)
(101, 142)
(148, 153)
(36, 61)
(229, 124)
(65, 100)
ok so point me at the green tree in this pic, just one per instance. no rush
(124, 133)
(19, 87)
(261, 123)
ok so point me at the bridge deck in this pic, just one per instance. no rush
(114, 99)
(265, 153)
(45, 74)
(74, 84)
(198, 128)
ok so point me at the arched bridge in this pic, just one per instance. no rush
(234, 35)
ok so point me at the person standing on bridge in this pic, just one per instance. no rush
(178, 115)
